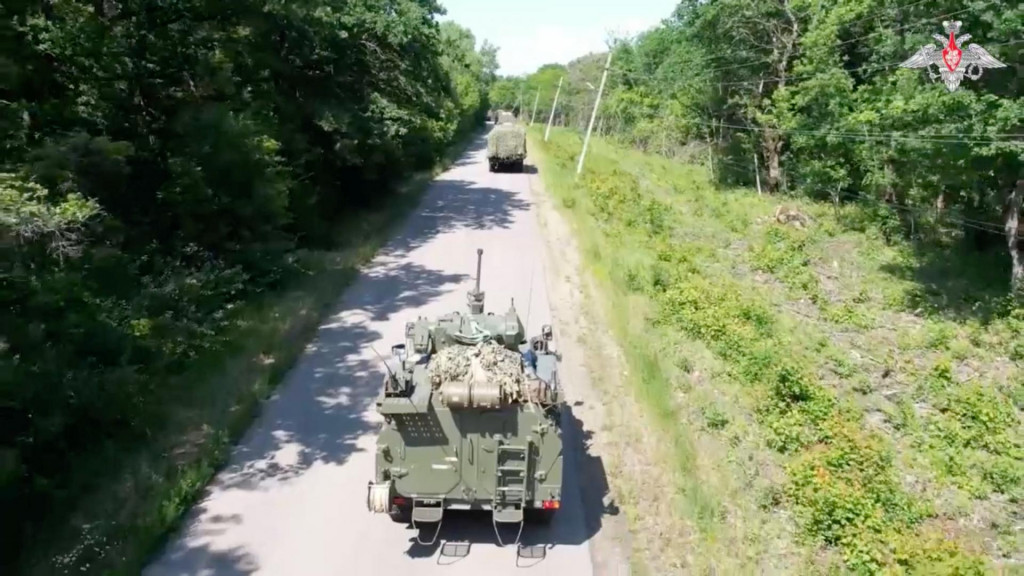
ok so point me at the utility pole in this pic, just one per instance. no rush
(757, 173)
(593, 115)
(553, 104)
(535, 100)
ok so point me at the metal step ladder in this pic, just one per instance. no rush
(510, 491)
(426, 511)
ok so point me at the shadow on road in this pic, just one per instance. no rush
(235, 561)
(321, 418)
(317, 414)
(584, 506)
(457, 204)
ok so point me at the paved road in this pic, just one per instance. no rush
(293, 499)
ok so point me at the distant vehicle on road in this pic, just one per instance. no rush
(506, 147)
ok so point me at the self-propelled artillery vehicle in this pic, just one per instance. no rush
(472, 421)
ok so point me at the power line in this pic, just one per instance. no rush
(638, 76)
(855, 136)
(858, 68)
(862, 37)
(809, 12)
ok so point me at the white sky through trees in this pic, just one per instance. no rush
(531, 33)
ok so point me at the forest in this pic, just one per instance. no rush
(163, 163)
(811, 258)
(807, 99)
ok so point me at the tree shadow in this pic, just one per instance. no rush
(955, 282)
(470, 159)
(234, 561)
(318, 413)
(584, 507)
(456, 204)
(231, 562)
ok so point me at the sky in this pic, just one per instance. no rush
(530, 33)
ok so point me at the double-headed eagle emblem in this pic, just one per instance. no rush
(952, 61)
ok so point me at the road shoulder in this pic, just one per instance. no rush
(617, 459)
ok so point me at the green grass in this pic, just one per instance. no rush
(143, 495)
(835, 402)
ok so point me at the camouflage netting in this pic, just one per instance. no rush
(507, 141)
(506, 118)
(484, 362)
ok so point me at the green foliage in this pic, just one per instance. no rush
(904, 265)
(813, 91)
(504, 93)
(160, 165)
(713, 271)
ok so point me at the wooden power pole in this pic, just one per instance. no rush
(593, 115)
(553, 105)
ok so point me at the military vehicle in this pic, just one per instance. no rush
(472, 422)
(506, 147)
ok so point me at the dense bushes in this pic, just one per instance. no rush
(814, 93)
(159, 164)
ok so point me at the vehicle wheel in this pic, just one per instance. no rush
(539, 516)
(520, 166)
(401, 514)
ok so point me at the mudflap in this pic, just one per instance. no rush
(427, 512)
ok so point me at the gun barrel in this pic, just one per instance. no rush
(479, 262)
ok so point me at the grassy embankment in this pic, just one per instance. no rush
(146, 493)
(832, 401)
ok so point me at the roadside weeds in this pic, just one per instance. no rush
(619, 435)
(752, 347)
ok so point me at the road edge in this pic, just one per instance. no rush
(587, 349)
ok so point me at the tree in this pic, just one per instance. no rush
(160, 163)
(798, 86)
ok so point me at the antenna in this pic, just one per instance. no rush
(475, 296)
(479, 262)
(384, 362)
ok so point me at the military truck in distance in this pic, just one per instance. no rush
(472, 423)
(504, 117)
(506, 147)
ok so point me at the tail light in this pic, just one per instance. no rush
(399, 501)
(550, 504)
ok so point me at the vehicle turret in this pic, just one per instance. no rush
(471, 420)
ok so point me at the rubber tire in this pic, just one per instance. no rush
(539, 516)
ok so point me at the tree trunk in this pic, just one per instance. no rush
(772, 144)
(1013, 243)
(890, 179)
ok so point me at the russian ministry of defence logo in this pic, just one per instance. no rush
(952, 61)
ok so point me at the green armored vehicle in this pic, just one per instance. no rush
(473, 422)
(506, 147)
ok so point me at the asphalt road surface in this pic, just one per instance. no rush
(292, 500)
